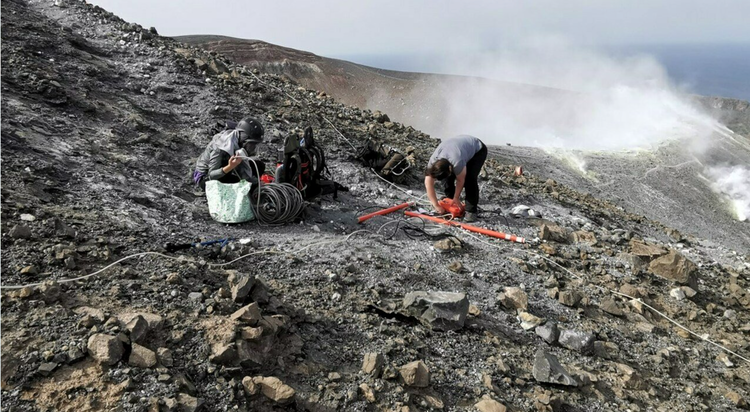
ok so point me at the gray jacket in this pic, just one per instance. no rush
(217, 155)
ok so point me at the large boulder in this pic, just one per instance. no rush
(438, 310)
(675, 267)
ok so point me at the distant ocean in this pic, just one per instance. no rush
(710, 70)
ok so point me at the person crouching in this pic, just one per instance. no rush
(219, 161)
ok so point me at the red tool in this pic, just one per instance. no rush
(384, 211)
(266, 179)
(470, 228)
(455, 211)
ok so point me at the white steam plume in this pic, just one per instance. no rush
(587, 99)
(734, 182)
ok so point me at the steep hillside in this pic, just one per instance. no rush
(101, 123)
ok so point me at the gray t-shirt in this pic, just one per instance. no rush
(458, 150)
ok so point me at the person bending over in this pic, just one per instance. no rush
(220, 161)
(456, 163)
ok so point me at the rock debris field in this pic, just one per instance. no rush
(101, 122)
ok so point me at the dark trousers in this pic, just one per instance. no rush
(473, 167)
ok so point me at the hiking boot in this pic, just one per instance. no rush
(470, 217)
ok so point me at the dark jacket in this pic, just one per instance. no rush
(211, 162)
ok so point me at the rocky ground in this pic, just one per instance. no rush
(101, 123)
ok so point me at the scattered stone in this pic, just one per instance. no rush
(529, 321)
(677, 293)
(736, 399)
(372, 364)
(579, 341)
(106, 349)
(224, 354)
(29, 270)
(585, 237)
(438, 310)
(367, 392)
(488, 404)
(196, 296)
(456, 267)
(513, 298)
(75, 354)
(27, 217)
(630, 378)
(554, 233)
(569, 297)
(46, 368)
(138, 328)
(63, 230)
(250, 387)
(250, 314)
(415, 374)
(610, 306)
(645, 250)
(450, 243)
(250, 333)
(20, 232)
(141, 357)
(242, 287)
(605, 350)
(689, 292)
(274, 389)
(165, 357)
(547, 369)
(548, 249)
(674, 266)
(548, 332)
(187, 403)
(155, 322)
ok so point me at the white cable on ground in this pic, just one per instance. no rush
(187, 259)
(419, 199)
(340, 134)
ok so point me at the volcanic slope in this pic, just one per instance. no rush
(674, 182)
(101, 123)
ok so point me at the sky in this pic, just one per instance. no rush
(345, 28)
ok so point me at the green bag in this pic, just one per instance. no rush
(229, 202)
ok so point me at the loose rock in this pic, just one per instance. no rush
(513, 298)
(141, 357)
(579, 341)
(372, 364)
(438, 310)
(106, 349)
(548, 369)
(415, 374)
(273, 388)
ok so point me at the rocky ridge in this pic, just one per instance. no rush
(101, 121)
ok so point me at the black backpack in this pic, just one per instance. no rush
(304, 166)
(385, 161)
